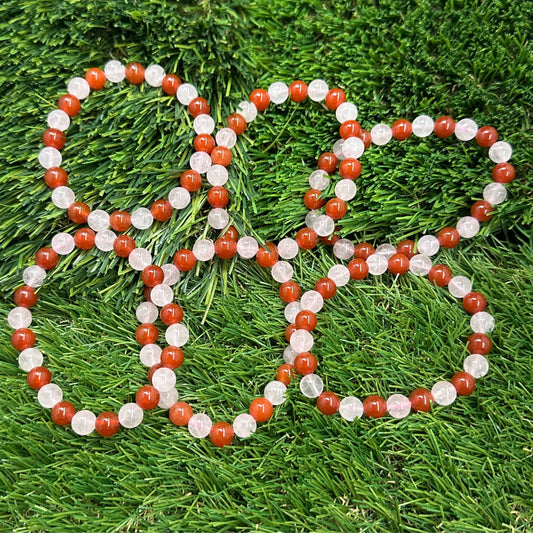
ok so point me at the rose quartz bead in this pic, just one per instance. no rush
(444, 393)
(388, 250)
(346, 111)
(377, 264)
(381, 134)
(247, 247)
(104, 240)
(83, 422)
(317, 90)
(312, 301)
(481, 322)
(114, 71)
(218, 218)
(19, 317)
(351, 408)
(164, 379)
(311, 386)
(459, 286)
(154, 75)
(199, 425)
(30, 358)
(177, 335)
(226, 137)
(353, 147)
(171, 273)
(494, 193)
(186, 93)
(339, 274)
(476, 365)
(467, 227)
(291, 311)
(58, 120)
(130, 415)
(423, 126)
(98, 220)
(139, 259)
(49, 395)
(301, 341)
(420, 265)
(398, 406)
(150, 355)
(282, 271)
(275, 392)
(466, 129)
(244, 425)
(500, 152)
(63, 243)
(63, 197)
(167, 399)
(79, 88)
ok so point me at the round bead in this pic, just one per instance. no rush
(142, 218)
(346, 111)
(247, 247)
(306, 320)
(375, 406)
(38, 377)
(98, 220)
(428, 245)
(217, 175)
(154, 75)
(440, 275)
(22, 338)
(171, 314)
(55, 177)
(161, 210)
(444, 127)
(123, 245)
(34, 276)
(84, 238)
(225, 247)
(162, 295)
(54, 139)
(49, 395)
(146, 334)
(358, 268)
(19, 317)
(218, 218)
(443, 393)
(226, 137)
(218, 197)
(311, 386)
(482, 322)
(459, 286)
(177, 335)
(62, 413)
(464, 383)
(421, 400)
(313, 199)
(147, 313)
(481, 211)
(388, 250)
(351, 408)
(291, 311)
(317, 90)
(69, 104)
(377, 264)
(363, 250)
(25, 296)
(247, 110)
(319, 180)
(289, 355)
(298, 91)
(343, 249)
(486, 136)
(180, 413)
(398, 406)
(139, 259)
(467, 227)
(476, 365)
(466, 129)
(503, 173)
(203, 250)
(398, 264)
(204, 143)
(83, 422)
(107, 424)
(200, 162)
(282, 271)
(339, 274)
(423, 126)
(334, 98)
(221, 434)
(381, 134)
(186, 93)
(114, 71)
(172, 357)
(474, 302)
(290, 291)
(350, 169)
(79, 88)
(96, 78)
(164, 379)
(494, 193)
(324, 225)
(63, 243)
(402, 129)
(171, 274)
(312, 301)
(203, 124)
(261, 409)
(301, 341)
(275, 392)
(104, 240)
(244, 425)
(345, 189)
(130, 415)
(147, 397)
(500, 152)
(420, 265)
(150, 355)
(167, 399)
(353, 147)
(287, 249)
(58, 120)
(328, 403)
(260, 98)
(278, 92)
(285, 374)
(479, 343)
(179, 197)
(63, 197)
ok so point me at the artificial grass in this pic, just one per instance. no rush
(464, 468)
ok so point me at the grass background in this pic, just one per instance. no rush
(465, 468)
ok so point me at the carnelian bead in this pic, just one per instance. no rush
(312, 199)
(298, 91)
(350, 128)
(221, 156)
(221, 434)
(54, 138)
(172, 357)
(336, 208)
(334, 98)
(285, 374)
(147, 334)
(199, 106)
(474, 302)
(180, 413)
(363, 250)
(170, 84)
(260, 98)
(289, 330)
(46, 258)
(107, 424)
(503, 173)
(147, 292)
(327, 162)
(481, 210)
(147, 397)
(448, 237)
(398, 264)
(161, 210)
(350, 168)
(440, 275)
(237, 123)
(231, 233)
(152, 275)
(120, 220)
(290, 291)
(184, 259)
(38, 377)
(96, 78)
(444, 127)
(191, 180)
(464, 383)
(25, 296)
(171, 314)
(123, 245)
(407, 248)
(479, 343)
(55, 177)
(486, 136)
(204, 143)
(62, 413)
(307, 238)
(267, 257)
(218, 196)
(421, 400)
(306, 320)
(331, 239)
(366, 137)
(225, 247)
(134, 73)
(358, 268)
(22, 338)
(374, 406)
(69, 104)
(84, 238)
(261, 409)
(78, 212)
(402, 129)
(326, 287)
(328, 403)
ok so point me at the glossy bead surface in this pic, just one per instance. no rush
(130, 415)
(225, 248)
(298, 91)
(54, 138)
(443, 393)
(482, 322)
(327, 162)
(481, 210)
(317, 90)
(444, 127)
(170, 84)
(98, 220)
(334, 98)
(381, 134)
(221, 156)
(306, 239)
(147, 397)
(402, 130)
(375, 406)
(49, 395)
(152, 275)
(69, 104)
(467, 227)
(244, 425)
(486, 136)
(55, 177)
(278, 92)
(22, 338)
(421, 400)
(172, 357)
(58, 119)
(420, 265)
(107, 424)
(466, 129)
(161, 210)
(500, 152)
(336, 208)
(62, 413)
(464, 383)
(204, 143)
(328, 403)
(180, 413)
(479, 343)
(19, 317)
(378, 264)
(123, 245)
(398, 406)
(191, 180)
(398, 264)
(120, 221)
(154, 75)
(83, 422)
(326, 287)
(221, 434)
(459, 286)
(150, 355)
(305, 363)
(350, 168)
(38, 377)
(406, 247)
(339, 274)
(25, 296)
(261, 409)
(440, 275)
(105, 240)
(184, 260)
(84, 238)
(285, 373)
(351, 408)
(476, 365)
(428, 245)
(134, 73)
(199, 106)
(503, 173)
(358, 268)
(275, 392)
(46, 258)
(147, 334)
(363, 250)
(237, 123)
(350, 128)
(311, 386)
(260, 98)
(177, 335)
(96, 78)
(474, 302)
(267, 257)
(423, 126)
(494, 193)
(448, 238)
(312, 199)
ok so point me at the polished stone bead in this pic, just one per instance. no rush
(184, 260)
(479, 343)
(58, 119)
(63, 197)
(186, 93)
(278, 92)
(275, 392)
(388, 250)
(104, 240)
(363, 250)
(481, 211)
(267, 256)
(147, 397)
(377, 264)
(161, 295)
(225, 248)
(381, 134)
(217, 175)
(204, 124)
(282, 271)
(167, 399)
(107, 424)
(345, 190)
(247, 247)
(150, 355)
(70, 104)
(139, 259)
(22, 338)
(218, 218)
(55, 177)
(98, 220)
(313, 199)
(482, 322)
(164, 379)
(221, 434)
(46, 258)
(49, 395)
(440, 275)
(306, 320)
(171, 314)
(474, 302)
(428, 245)
(123, 245)
(180, 413)
(204, 143)
(287, 248)
(459, 286)
(324, 225)
(154, 75)
(62, 413)
(486, 136)
(448, 237)
(38, 377)
(339, 274)
(353, 148)
(398, 406)
(226, 137)
(172, 357)
(260, 98)
(298, 91)
(500, 152)
(83, 422)
(334, 98)
(350, 169)
(54, 139)
(343, 249)
(114, 71)
(171, 274)
(25, 296)
(134, 73)
(142, 218)
(476, 365)
(402, 129)
(464, 383)
(351, 408)
(311, 386)
(423, 126)
(85, 238)
(398, 264)
(120, 220)
(503, 173)
(346, 111)
(218, 197)
(177, 335)
(291, 311)
(374, 406)
(317, 90)
(336, 208)
(146, 334)
(468, 227)
(301, 341)
(312, 301)
(79, 88)
(170, 84)
(130, 415)
(318, 181)
(261, 409)
(200, 162)
(34, 276)
(494, 193)
(326, 288)
(244, 425)
(203, 250)
(421, 400)
(420, 265)
(358, 268)
(96, 78)
(285, 373)
(290, 291)
(444, 127)
(328, 403)
(19, 317)
(444, 393)
(197, 107)
(466, 129)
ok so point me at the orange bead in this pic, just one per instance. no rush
(305, 363)
(25, 296)
(180, 413)
(221, 434)
(289, 330)
(290, 291)
(358, 268)
(152, 275)
(261, 409)
(298, 91)
(312, 199)
(306, 238)
(161, 210)
(123, 245)
(54, 138)
(481, 210)
(107, 424)
(402, 129)
(350, 128)
(334, 98)
(147, 397)
(78, 212)
(326, 287)
(336, 208)
(374, 407)
(147, 334)
(464, 383)
(328, 403)
(363, 250)
(331, 239)
(172, 357)
(96, 78)
(218, 197)
(474, 302)
(421, 400)
(444, 127)
(225, 247)
(448, 237)
(350, 168)
(398, 264)
(267, 257)
(486, 136)
(55, 177)
(22, 338)
(191, 180)
(199, 106)
(237, 123)
(221, 156)
(328, 162)
(69, 104)
(120, 221)
(503, 173)
(184, 260)
(170, 84)
(231, 233)
(366, 137)
(62, 413)
(46, 258)
(84, 238)
(134, 73)
(479, 343)
(38, 377)
(171, 314)
(440, 275)
(306, 320)
(406, 248)
(285, 374)
(260, 98)
(204, 143)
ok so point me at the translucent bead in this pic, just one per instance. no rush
(19, 317)
(63, 243)
(161, 295)
(423, 126)
(311, 386)
(481, 322)
(200, 161)
(353, 147)
(58, 119)
(247, 110)
(337, 149)
(199, 425)
(114, 71)
(218, 218)
(317, 90)
(139, 259)
(339, 274)
(203, 249)
(291, 311)
(420, 265)
(30, 358)
(301, 341)
(247, 247)
(351, 408)
(428, 245)
(177, 335)
(346, 111)
(179, 198)
(83, 422)
(282, 271)
(500, 152)
(343, 249)
(142, 218)
(172, 274)
(476, 365)
(217, 175)
(494, 193)
(444, 393)
(147, 313)
(98, 220)
(467, 227)
(49, 395)
(324, 225)
(130, 415)
(226, 137)
(289, 355)
(63, 197)
(381, 134)
(346, 189)
(79, 88)
(287, 248)
(388, 250)
(164, 379)
(50, 157)
(154, 75)
(104, 240)
(168, 398)
(312, 301)
(377, 264)
(319, 180)
(204, 124)
(34, 276)
(278, 92)
(275, 392)
(459, 286)
(398, 406)
(244, 425)
(311, 218)
(465, 129)
(186, 92)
